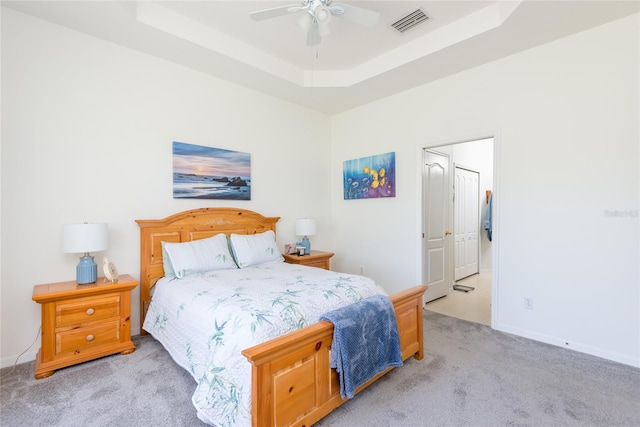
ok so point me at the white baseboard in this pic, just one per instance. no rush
(575, 346)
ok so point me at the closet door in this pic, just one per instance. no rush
(466, 222)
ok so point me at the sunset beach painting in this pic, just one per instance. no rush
(201, 172)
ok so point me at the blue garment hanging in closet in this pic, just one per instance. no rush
(487, 218)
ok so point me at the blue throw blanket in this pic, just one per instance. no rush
(365, 341)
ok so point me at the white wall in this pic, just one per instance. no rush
(87, 128)
(565, 116)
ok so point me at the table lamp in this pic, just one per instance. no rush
(85, 238)
(306, 227)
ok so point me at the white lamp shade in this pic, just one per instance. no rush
(84, 238)
(305, 227)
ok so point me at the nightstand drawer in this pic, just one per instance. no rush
(317, 259)
(82, 310)
(320, 263)
(75, 340)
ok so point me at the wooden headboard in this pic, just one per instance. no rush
(184, 227)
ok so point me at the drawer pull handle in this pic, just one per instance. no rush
(90, 311)
(90, 337)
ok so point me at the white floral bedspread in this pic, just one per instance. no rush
(205, 321)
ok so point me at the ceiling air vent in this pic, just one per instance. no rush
(410, 20)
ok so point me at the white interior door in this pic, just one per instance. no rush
(436, 264)
(466, 222)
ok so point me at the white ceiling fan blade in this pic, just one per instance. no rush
(261, 15)
(355, 14)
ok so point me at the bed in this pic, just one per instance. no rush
(290, 380)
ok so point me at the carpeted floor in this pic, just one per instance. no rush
(470, 376)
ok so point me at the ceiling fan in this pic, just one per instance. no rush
(317, 14)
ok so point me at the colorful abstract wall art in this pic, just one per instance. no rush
(210, 173)
(370, 177)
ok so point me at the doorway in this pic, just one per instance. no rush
(467, 251)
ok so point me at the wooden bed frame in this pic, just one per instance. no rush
(292, 383)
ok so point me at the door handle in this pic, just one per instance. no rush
(447, 233)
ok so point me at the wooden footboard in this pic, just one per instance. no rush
(292, 383)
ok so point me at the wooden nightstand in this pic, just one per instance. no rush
(314, 259)
(83, 322)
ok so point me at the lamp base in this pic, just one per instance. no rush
(86, 271)
(307, 245)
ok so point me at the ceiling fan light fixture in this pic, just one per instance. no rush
(317, 15)
(322, 14)
(305, 22)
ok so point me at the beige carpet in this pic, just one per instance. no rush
(474, 306)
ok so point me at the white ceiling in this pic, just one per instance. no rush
(353, 65)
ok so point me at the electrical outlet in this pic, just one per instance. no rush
(361, 270)
(528, 303)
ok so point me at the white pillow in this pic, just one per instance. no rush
(166, 262)
(200, 256)
(255, 249)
